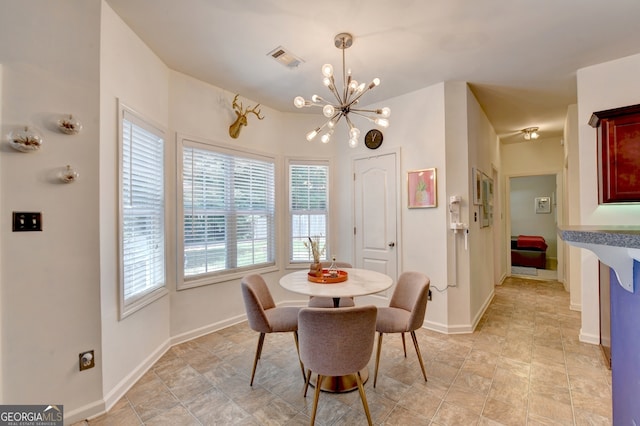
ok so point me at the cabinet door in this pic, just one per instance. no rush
(619, 162)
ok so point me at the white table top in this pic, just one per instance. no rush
(360, 282)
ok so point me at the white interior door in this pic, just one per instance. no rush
(375, 204)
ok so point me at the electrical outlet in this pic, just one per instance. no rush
(86, 360)
(429, 295)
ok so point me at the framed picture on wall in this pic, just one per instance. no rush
(486, 212)
(542, 205)
(476, 175)
(421, 185)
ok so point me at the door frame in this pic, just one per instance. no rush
(559, 212)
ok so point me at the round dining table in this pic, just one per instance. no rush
(359, 282)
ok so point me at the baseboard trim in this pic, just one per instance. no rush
(483, 309)
(435, 326)
(199, 332)
(589, 338)
(575, 307)
(502, 278)
(462, 328)
(125, 384)
(85, 412)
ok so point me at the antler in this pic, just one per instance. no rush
(253, 110)
(237, 107)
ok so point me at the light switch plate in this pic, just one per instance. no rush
(27, 221)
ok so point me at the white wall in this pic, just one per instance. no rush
(572, 265)
(131, 73)
(600, 87)
(429, 127)
(205, 112)
(417, 130)
(484, 154)
(541, 157)
(50, 280)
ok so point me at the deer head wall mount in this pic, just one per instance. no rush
(241, 119)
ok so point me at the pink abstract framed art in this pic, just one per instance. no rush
(422, 188)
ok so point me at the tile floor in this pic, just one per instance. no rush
(523, 365)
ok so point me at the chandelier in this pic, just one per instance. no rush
(345, 101)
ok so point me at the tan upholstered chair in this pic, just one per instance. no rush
(336, 342)
(327, 302)
(405, 313)
(264, 317)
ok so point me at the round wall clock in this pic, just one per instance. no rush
(373, 139)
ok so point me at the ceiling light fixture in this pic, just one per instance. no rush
(530, 133)
(347, 99)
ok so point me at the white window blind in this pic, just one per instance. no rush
(228, 211)
(308, 207)
(142, 201)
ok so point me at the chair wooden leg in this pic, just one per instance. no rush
(415, 343)
(306, 383)
(404, 346)
(363, 397)
(375, 375)
(295, 337)
(315, 400)
(258, 353)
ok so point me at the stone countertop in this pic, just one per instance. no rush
(616, 246)
(615, 236)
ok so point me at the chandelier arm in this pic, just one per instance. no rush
(373, 111)
(333, 90)
(369, 87)
(358, 112)
(339, 115)
(349, 122)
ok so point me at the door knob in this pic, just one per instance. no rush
(392, 244)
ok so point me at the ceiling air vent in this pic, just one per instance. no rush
(288, 59)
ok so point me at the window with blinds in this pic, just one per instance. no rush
(308, 207)
(228, 200)
(142, 231)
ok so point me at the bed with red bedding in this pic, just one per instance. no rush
(529, 251)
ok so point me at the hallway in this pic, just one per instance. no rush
(523, 365)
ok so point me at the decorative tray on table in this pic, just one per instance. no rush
(326, 278)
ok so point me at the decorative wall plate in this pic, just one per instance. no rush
(68, 175)
(70, 126)
(25, 140)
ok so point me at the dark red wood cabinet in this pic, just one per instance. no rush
(618, 154)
